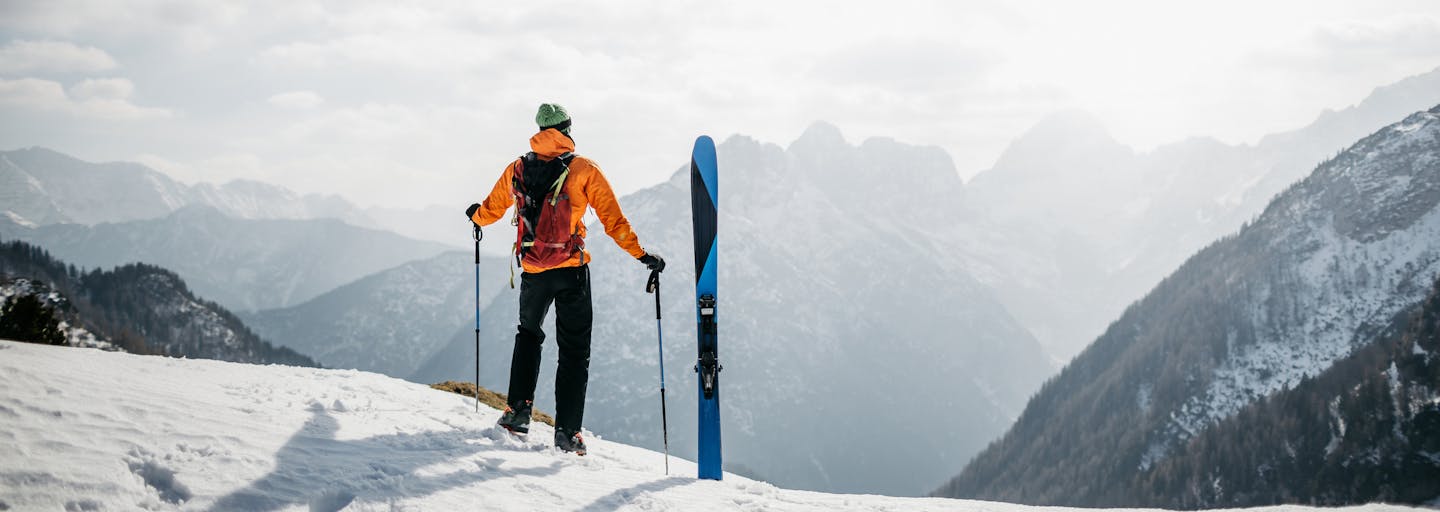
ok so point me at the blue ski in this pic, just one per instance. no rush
(703, 208)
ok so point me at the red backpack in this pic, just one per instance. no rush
(544, 236)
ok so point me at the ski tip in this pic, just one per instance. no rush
(703, 141)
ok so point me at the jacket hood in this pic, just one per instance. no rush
(550, 143)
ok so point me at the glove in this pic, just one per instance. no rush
(653, 262)
(470, 212)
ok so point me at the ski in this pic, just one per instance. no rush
(703, 204)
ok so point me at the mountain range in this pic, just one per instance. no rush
(1100, 224)
(244, 264)
(134, 308)
(388, 322)
(1319, 274)
(39, 186)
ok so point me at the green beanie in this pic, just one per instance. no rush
(552, 115)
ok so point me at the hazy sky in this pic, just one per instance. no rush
(414, 103)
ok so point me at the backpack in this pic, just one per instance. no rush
(544, 236)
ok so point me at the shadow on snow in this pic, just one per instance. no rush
(624, 496)
(315, 469)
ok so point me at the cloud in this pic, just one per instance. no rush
(21, 56)
(102, 89)
(367, 123)
(296, 100)
(1413, 37)
(404, 49)
(906, 65)
(179, 26)
(32, 92)
(1345, 49)
(220, 168)
(351, 93)
(105, 99)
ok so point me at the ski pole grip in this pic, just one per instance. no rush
(653, 286)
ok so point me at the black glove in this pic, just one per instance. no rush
(653, 262)
(470, 212)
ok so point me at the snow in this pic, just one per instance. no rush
(1337, 433)
(1144, 398)
(17, 219)
(95, 430)
(92, 429)
(1392, 376)
(1409, 127)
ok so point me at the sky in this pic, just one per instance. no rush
(414, 103)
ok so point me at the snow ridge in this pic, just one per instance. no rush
(178, 434)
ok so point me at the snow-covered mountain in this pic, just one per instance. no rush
(1327, 265)
(844, 315)
(48, 187)
(1099, 224)
(1365, 430)
(388, 322)
(136, 308)
(39, 186)
(244, 264)
(147, 433)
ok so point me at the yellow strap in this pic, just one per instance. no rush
(559, 182)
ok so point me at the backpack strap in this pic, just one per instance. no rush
(565, 160)
(517, 182)
(517, 178)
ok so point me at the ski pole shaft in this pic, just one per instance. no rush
(654, 286)
(667, 431)
(478, 235)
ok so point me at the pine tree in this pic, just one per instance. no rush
(26, 318)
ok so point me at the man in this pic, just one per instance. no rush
(551, 188)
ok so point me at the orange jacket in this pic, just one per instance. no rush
(586, 187)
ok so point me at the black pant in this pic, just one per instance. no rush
(569, 289)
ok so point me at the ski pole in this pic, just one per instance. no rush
(653, 286)
(478, 235)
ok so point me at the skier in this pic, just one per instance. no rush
(551, 188)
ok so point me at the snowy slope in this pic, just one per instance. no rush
(1327, 265)
(1366, 429)
(1363, 235)
(92, 430)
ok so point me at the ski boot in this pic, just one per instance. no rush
(516, 417)
(569, 441)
